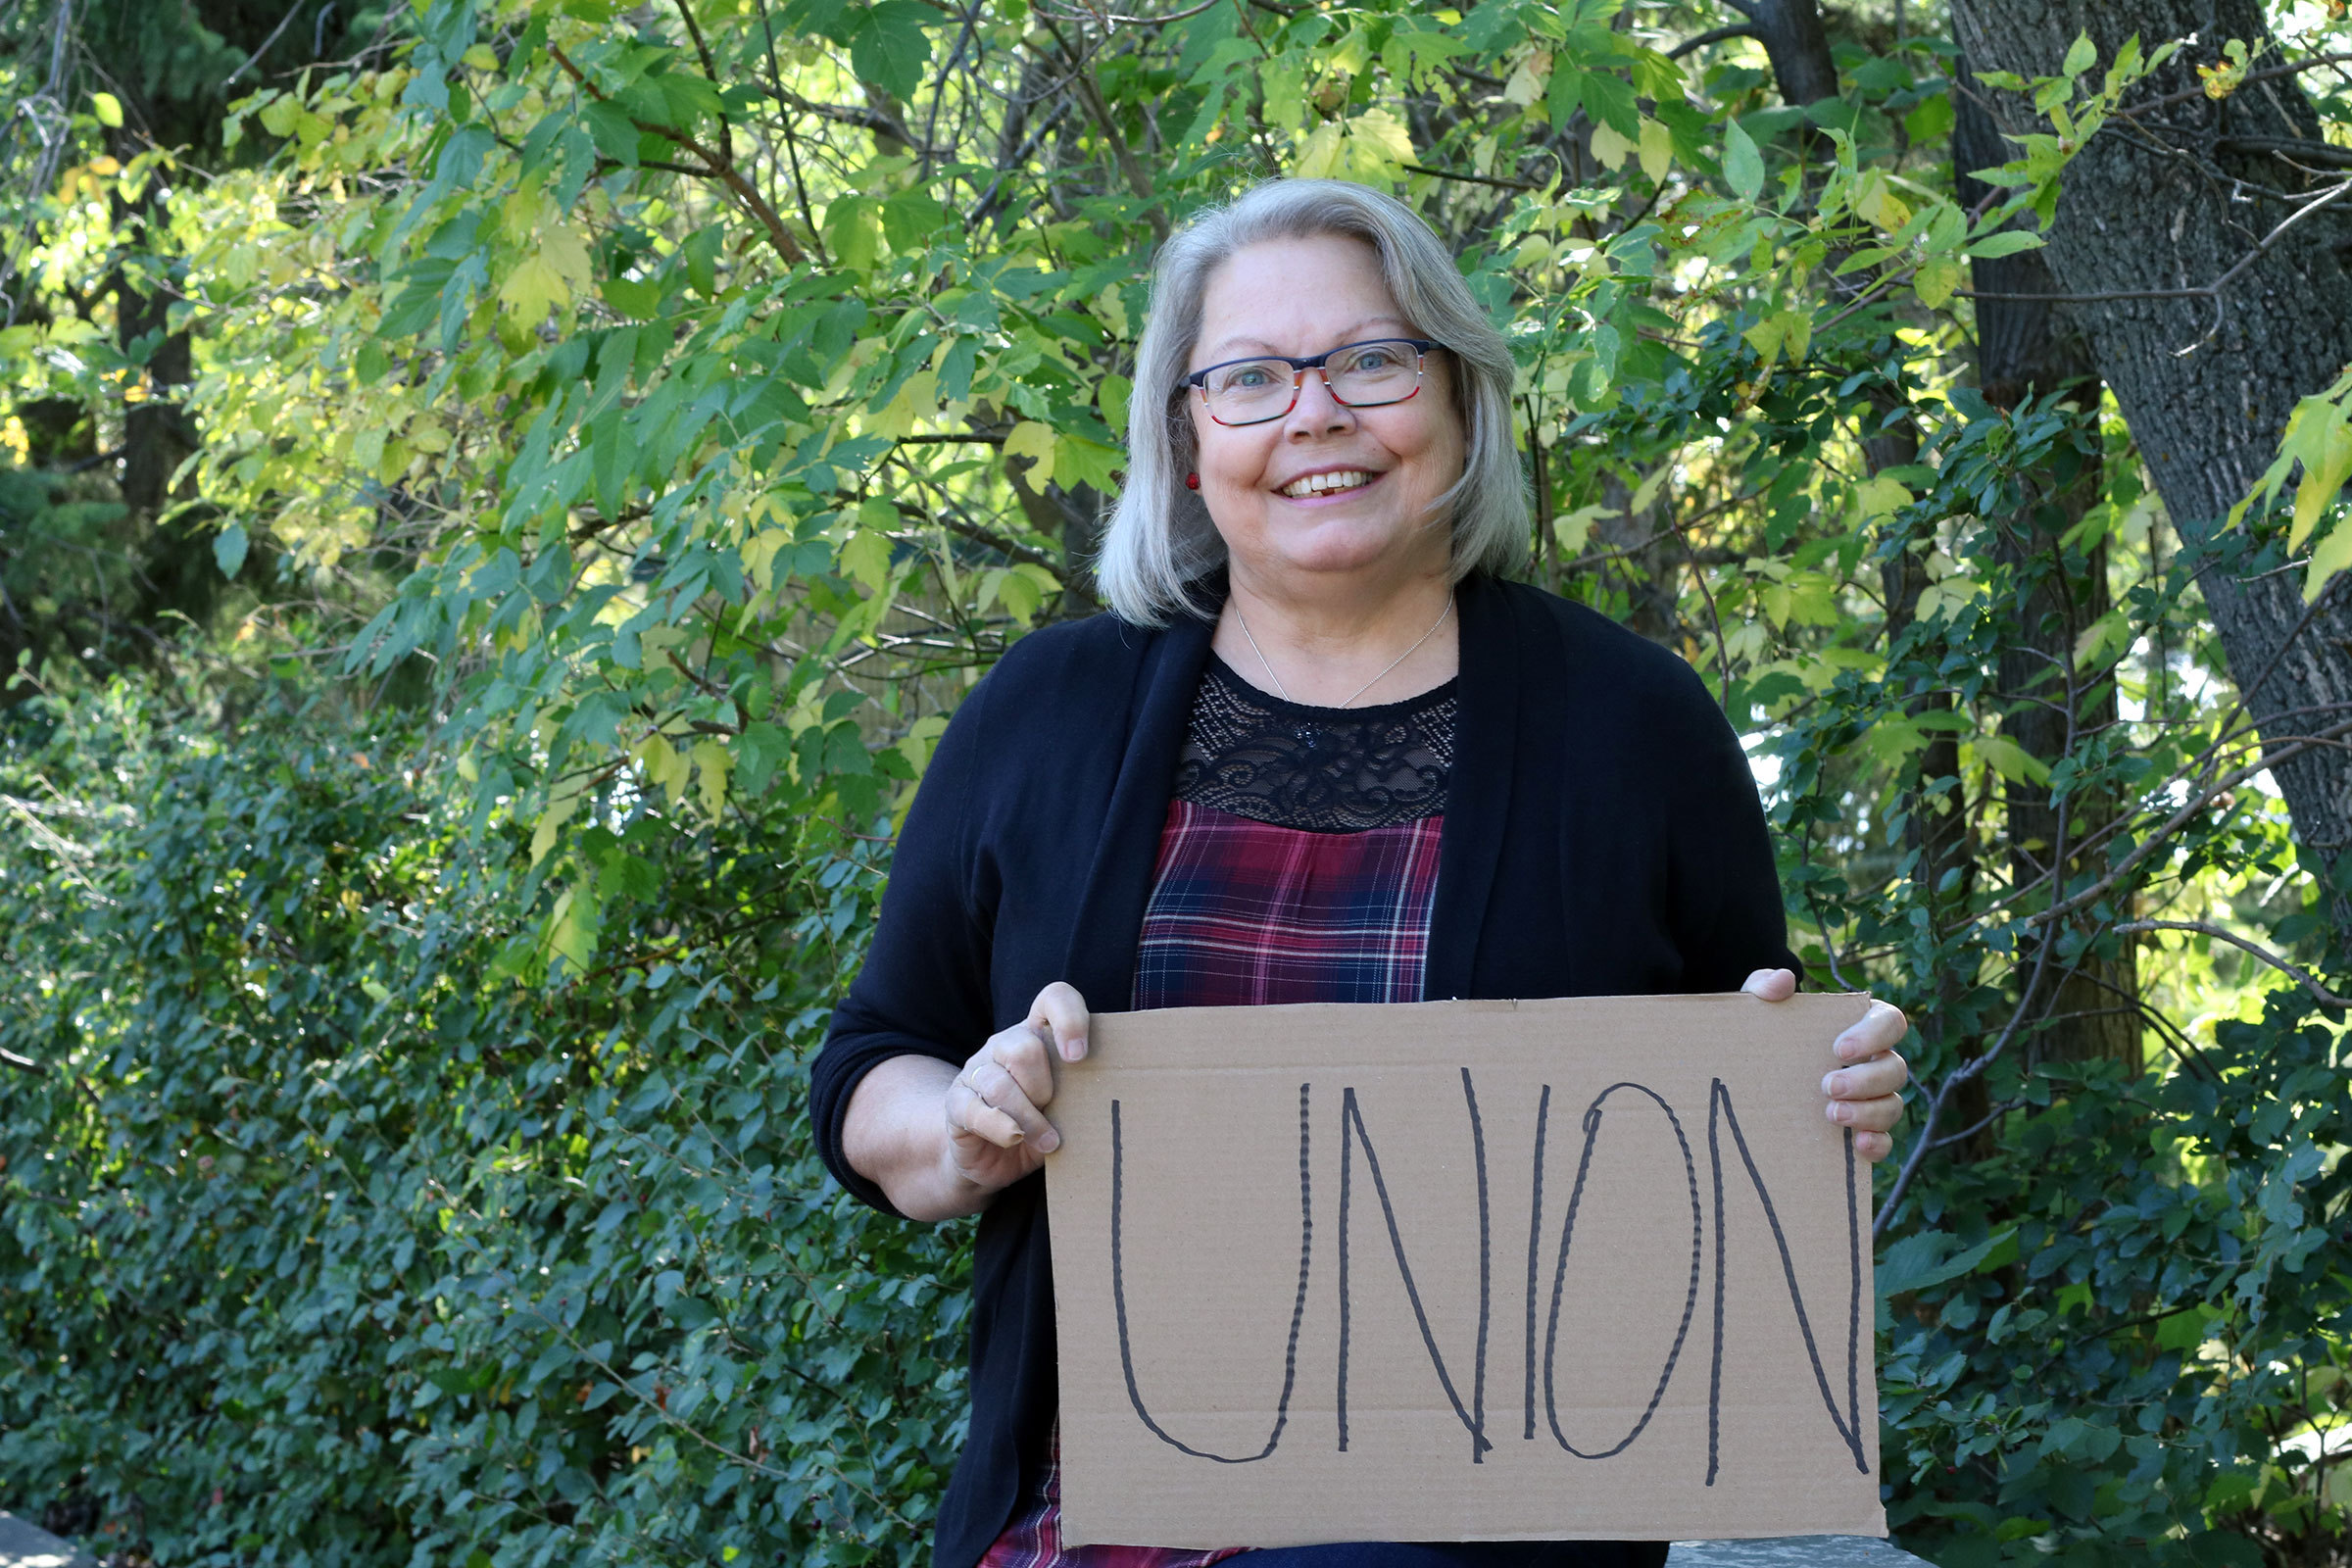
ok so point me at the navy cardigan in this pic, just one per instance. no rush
(1602, 838)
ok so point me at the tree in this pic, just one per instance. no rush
(2202, 248)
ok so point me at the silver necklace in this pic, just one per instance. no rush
(1285, 691)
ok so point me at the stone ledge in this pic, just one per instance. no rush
(1793, 1551)
(24, 1544)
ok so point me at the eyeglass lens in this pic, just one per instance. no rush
(1360, 375)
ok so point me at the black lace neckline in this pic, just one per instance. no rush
(1320, 769)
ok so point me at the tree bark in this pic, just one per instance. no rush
(2028, 348)
(2170, 202)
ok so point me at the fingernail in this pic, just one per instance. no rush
(1835, 1110)
(1074, 1050)
(1049, 1141)
(1829, 1083)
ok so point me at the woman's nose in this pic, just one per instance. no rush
(1317, 412)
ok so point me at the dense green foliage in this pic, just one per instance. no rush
(340, 1250)
(605, 442)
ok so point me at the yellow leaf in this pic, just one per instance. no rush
(1880, 496)
(1934, 281)
(2333, 555)
(712, 761)
(2322, 479)
(665, 768)
(1527, 80)
(1377, 142)
(1648, 491)
(759, 557)
(532, 287)
(1609, 148)
(566, 251)
(1319, 158)
(1575, 527)
(109, 110)
(1876, 202)
(551, 823)
(917, 404)
(1035, 441)
(1657, 149)
(865, 556)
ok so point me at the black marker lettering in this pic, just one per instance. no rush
(1118, 1292)
(1848, 1423)
(1351, 1132)
(1535, 1245)
(1559, 1278)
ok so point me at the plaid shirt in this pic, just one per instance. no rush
(1246, 914)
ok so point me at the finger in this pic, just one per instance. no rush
(1025, 1053)
(1061, 1012)
(1873, 1147)
(1878, 1115)
(992, 1126)
(1000, 1091)
(1772, 985)
(1868, 1080)
(1877, 1030)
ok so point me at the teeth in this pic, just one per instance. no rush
(1315, 484)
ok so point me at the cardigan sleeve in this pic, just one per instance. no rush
(1727, 910)
(924, 989)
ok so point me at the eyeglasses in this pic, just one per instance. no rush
(1358, 375)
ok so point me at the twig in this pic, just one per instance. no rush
(2186, 94)
(1718, 35)
(2319, 993)
(21, 1064)
(718, 165)
(2172, 824)
(291, 12)
(2210, 290)
(1471, 179)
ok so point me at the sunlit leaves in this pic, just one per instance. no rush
(1742, 164)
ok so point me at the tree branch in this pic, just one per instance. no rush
(1471, 179)
(1718, 35)
(2319, 993)
(718, 165)
(2186, 94)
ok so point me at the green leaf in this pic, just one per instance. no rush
(109, 110)
(1932, 119)
(853, 234)
(1918, 1261)
(2080, 56)
(2012, 760)
(1742, 164)
(229, 549)
(890, 47)
(2008, 242)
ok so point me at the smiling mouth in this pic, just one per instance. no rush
(1325, 484)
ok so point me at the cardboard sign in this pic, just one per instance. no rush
(1462, 1271)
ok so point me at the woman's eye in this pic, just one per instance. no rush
(1373, 359)
(1249, 379)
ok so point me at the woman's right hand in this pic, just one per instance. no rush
(994, 1107)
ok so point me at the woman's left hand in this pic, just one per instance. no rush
(1866, 1094)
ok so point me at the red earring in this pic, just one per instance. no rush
(1191, 481)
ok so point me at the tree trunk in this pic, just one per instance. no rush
(2173, 203)
(2028, 348)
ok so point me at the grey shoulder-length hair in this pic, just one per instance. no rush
(1160, 542)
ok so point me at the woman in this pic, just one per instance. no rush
(1321, 753)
